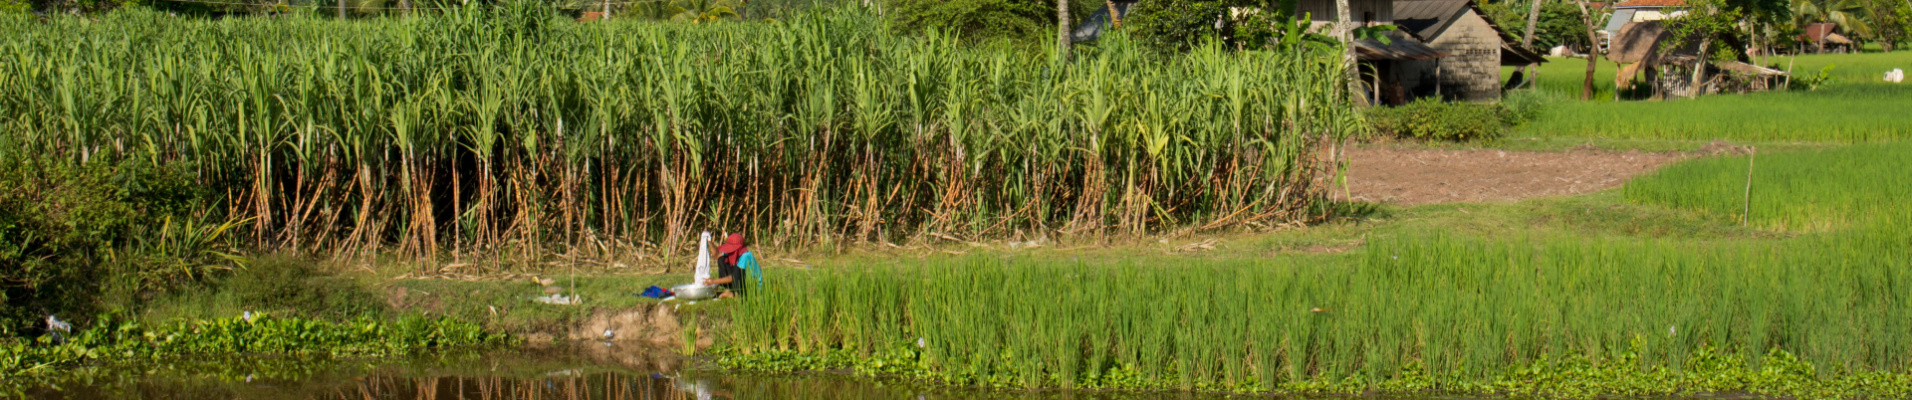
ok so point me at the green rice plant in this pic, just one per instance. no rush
(1472, 314)
(496, 131)
(1566, 76)
(1802, 191)
(1844, 113)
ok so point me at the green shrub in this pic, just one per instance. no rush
(1174, 25)
(1440, 120)
(977, 20)
(70, 233)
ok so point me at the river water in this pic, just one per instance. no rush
(573, 372)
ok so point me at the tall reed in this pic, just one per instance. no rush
(488, 131)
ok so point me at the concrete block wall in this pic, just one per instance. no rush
(1472, 70)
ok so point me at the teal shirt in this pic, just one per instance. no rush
(748, 262)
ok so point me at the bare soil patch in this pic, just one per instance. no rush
(1406, 176)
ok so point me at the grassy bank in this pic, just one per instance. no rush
(1564, 302)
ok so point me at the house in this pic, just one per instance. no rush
(1823, 37)
(1475, 46)
(1648, 48)
(1631, 11)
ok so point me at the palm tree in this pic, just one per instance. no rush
(1848, 15)
(700, 11)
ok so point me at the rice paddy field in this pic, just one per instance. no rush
(1818, 314)
(1857, 107)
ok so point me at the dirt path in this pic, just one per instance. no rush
(1427, 176)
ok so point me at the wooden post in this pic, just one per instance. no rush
(341, 9)
(1746, 216)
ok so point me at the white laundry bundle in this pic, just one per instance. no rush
(703, 259)
(1895, 75)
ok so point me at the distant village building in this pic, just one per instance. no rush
(1824, 37)
(1476, 49)
(1631, 11)
(1645, 10)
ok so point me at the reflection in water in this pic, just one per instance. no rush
(586, 372)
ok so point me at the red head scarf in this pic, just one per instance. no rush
(732, 248)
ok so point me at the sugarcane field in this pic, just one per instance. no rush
(955, 199)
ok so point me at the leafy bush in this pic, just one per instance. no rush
(1175, 25)
(1440, 120)
(977, 20)
(70, 233)
(1523, 106)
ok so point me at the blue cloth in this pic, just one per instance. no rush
(748, 261)
(656, 292)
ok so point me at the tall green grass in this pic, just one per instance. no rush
(1462, 311)
(1805, 191)
(1566, 76)
(508, 127)
(1843, 113)
(1530, 314)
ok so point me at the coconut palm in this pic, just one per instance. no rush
(699, 11)
(1849, 15)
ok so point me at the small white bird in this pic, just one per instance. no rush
(608, 334)
(247, 316)
(919, 343)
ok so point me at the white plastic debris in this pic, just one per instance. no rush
(557, 299)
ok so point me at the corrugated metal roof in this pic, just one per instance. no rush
(1397, 49)
(1620, 19)
(1425, 19)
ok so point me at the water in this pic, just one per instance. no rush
(575, 372)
